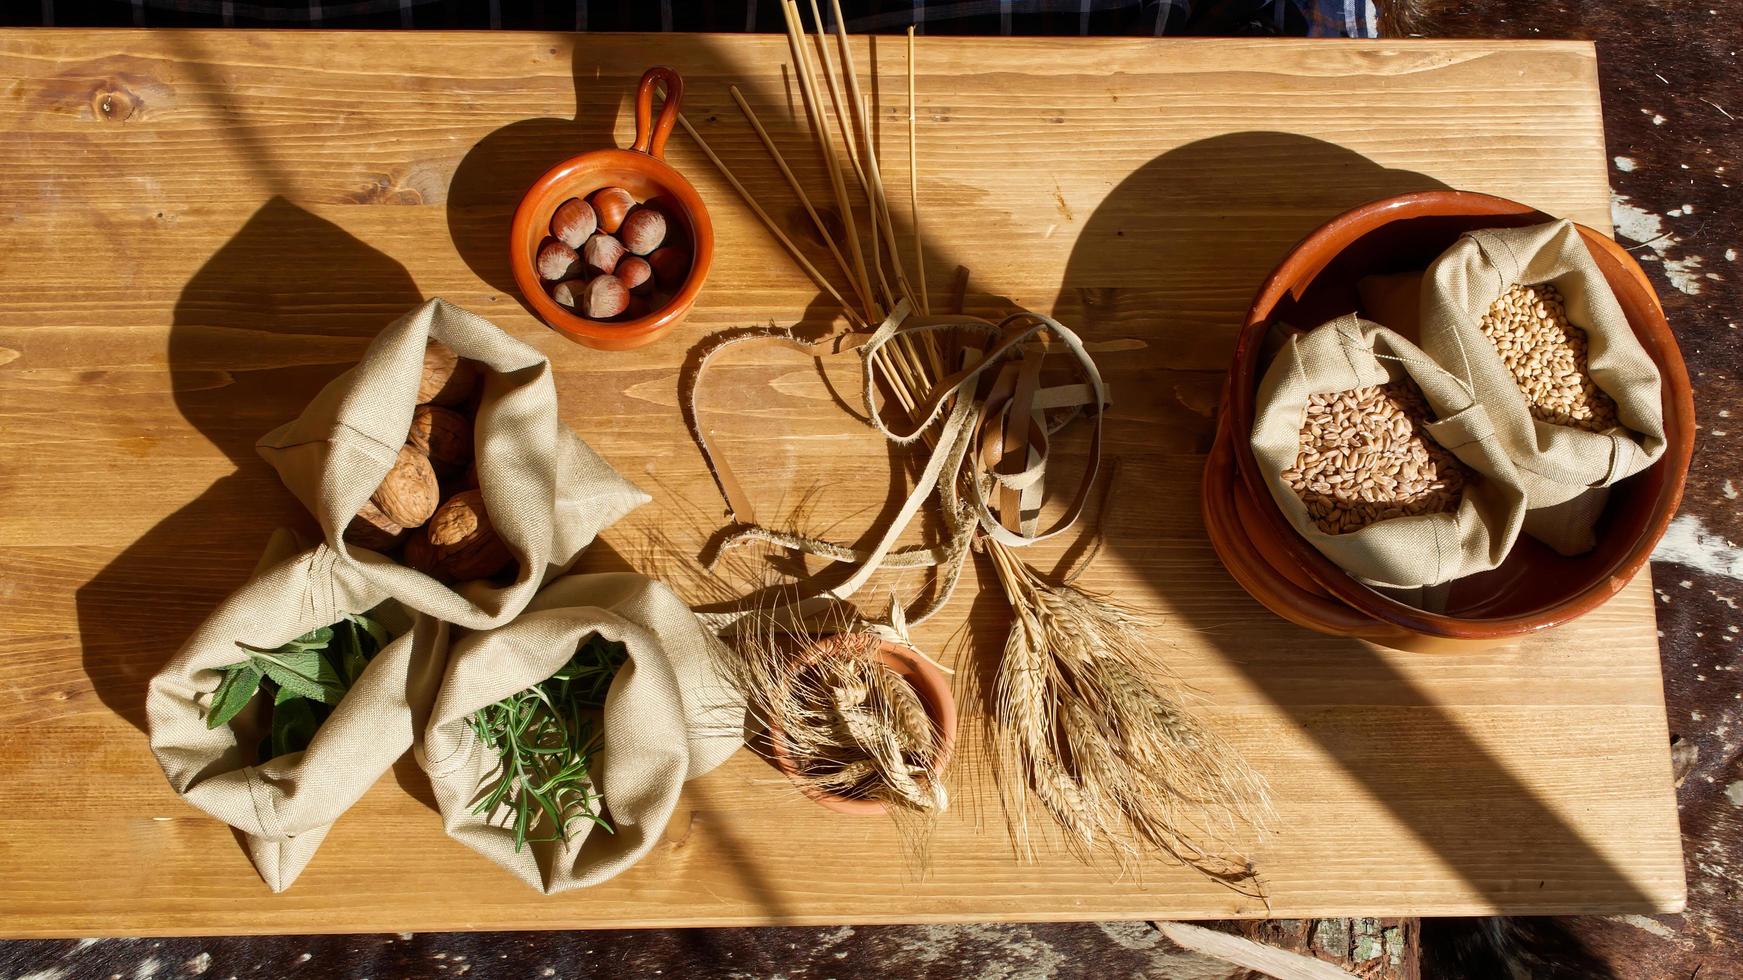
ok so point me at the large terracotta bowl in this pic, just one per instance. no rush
(641, 170)
(1534, 589)
(934, 690)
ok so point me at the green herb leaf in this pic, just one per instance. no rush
(233, 693)
(305, 673)
(375, 631)
(351, 659)
(293, 727)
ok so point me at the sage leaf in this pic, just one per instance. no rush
(303, 672)
(293, 727)
(376, 632)
(233, 693)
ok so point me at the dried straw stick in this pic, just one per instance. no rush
(768, 222)
(820, 130)
(880, 201)
(914, 184)
(804, 199)
(840, 107)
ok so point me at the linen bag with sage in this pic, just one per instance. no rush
(1401, 552)
(285, 805)
(1563, 467)
(547, 493)
(669, 716)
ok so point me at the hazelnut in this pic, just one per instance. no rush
(643, 230)
(464, 543)
(605, 298)
(635, 273)
(671, 266)
(611, 205)
(371, 529)
(573, 222)
(555, 260)
(408, 494)
(568, 292)
(444, 435)
(600, 254)
(449, 379)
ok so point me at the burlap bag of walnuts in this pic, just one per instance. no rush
(669, 716)
(285, 806)
(546, 492)
(1564, 468)
(1403, 552)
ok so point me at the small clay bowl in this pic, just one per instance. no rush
(1534, 589)
(934, 690)
(643, 171)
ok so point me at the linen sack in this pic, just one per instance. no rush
(670, 715)
(1403, 552)
(285, 806)
(548, 494)
(1563, 469)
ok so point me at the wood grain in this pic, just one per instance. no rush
(201, 228)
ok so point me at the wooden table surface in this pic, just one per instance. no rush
(201, 228)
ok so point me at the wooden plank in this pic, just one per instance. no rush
(201, 228)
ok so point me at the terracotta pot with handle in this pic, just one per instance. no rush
(643, 171)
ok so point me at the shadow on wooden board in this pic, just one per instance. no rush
(1261, 192)
(281, 309)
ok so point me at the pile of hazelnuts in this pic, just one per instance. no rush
(608, 256)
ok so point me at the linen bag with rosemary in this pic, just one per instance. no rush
(1403, 552)
(1569, 440)
(547, 493)
(284, 806)
(668, 717)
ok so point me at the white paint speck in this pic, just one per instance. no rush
(1729, 490)
(1730, 255)
(147, 968)
(1624, 164)
(1734, 793)
(305, 957)
(199, 964)
(1657, 120)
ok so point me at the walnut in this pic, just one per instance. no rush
(419, 553)
(444, 435)
(408, 494)
(448, 377)
(466, 546)
(371, 529)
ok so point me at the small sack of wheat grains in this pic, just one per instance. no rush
(1524, 317)
(536, 495)
(1382, 460)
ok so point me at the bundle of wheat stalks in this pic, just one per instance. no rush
(1084, 714)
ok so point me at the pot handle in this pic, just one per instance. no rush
(650, 136)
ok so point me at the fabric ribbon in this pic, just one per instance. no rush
(989, 424)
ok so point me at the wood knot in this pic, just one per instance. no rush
(115, 105)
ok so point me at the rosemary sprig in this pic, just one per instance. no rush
(545, 739)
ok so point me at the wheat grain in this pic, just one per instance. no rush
(1365, 458)
(1546, 355)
